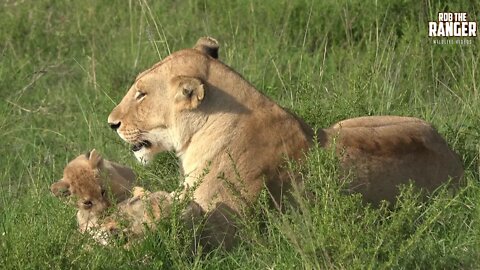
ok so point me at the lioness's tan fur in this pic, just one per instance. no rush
(383, 152)
(232, 141)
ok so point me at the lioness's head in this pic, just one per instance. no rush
(94, 182)
(160, 112)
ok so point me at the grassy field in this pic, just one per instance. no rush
(65, 64)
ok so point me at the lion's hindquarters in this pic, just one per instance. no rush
(381, 157)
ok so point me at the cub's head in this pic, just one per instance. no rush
(94, 182)
(161, 110)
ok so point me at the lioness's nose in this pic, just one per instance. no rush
(115, 125)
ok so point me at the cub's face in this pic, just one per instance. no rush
(93, 182)
(156, 113)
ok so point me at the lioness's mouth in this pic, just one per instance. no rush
(136, 147)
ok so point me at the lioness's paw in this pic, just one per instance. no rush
(139, 192)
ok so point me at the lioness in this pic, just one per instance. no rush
(232, 141)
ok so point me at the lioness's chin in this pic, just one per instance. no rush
(144, 155)
(145, 151)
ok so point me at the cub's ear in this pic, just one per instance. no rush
(60, 188)
(189, 93)
(208, 45)
(94, 159)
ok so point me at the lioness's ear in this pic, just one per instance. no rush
(189, 93)
(208, 45)
(94, 158)
(60, 188)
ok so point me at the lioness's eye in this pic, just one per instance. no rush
(140, 95)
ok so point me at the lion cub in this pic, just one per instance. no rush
(95, 183)
(99, 185)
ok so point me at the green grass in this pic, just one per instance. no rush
(65, 64)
